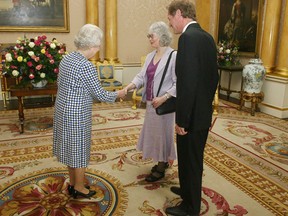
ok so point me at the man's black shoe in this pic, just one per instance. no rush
(176, 190)
(180, 210)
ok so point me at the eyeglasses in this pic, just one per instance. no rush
(150, 36)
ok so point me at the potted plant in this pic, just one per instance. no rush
(227, 53)
(34, 60)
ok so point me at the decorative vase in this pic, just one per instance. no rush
(253, 75)
(40, 84)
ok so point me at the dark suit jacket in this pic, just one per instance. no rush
(197, 78)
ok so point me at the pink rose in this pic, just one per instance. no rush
(31, 76)
(39, 67)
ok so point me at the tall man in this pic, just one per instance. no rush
(197, 79)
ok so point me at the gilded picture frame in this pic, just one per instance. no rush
(34, 16)
(239, 21)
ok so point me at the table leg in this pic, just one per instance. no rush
(229, 86)
(219, 85)
(241, 101)
(21, 114)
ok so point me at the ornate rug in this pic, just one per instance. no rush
(245, 171)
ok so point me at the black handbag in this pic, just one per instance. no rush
(169, 106)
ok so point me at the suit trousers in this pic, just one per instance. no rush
(190, 151)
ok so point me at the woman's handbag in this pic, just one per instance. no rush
(169, 105)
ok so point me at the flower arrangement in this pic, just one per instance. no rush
(34, 59)
(227, 53)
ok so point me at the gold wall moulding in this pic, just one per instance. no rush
(282, 71)
(274, 107)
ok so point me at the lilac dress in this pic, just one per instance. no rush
(156, 140)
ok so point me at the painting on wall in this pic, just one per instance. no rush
(34, 15)
(239, 23)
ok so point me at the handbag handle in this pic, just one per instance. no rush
(164, 72)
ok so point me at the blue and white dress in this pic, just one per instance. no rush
(78, 86)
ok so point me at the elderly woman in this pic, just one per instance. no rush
(156, 139)
(78, 86)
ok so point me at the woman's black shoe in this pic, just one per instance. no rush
(155, 176)
(78, 193)
(71, 189)
(154, 168)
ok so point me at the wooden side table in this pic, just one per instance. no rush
(230, 69)
(21, 92)
(254, 98)
(6, 83)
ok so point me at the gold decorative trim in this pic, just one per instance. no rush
(30, 24)
(274, 107)
(133, 64)
(282, 71)
(276, 78)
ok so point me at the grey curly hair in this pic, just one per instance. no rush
(161, 29)
(88, 36)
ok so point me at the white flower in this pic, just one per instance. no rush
(228, 51)
(53, 45)
(15, 73)
(220, 49)
(8, 57)
(16, 48)
(31, 44)
(31, 53)
(42, 75)
(18, 41)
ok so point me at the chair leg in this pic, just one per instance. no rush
(134, 106)
(216, 103)
(253, 106)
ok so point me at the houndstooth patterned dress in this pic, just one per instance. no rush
(78, 86)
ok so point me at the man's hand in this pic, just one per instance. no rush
(180, 131)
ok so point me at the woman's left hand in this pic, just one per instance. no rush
(158, 101)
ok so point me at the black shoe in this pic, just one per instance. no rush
(71, 189)
(155, 176)
(78, 193)
(176, 190)
(180, 210)
(154, 168)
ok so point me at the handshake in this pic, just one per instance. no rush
(122, 93)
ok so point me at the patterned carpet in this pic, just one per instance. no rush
(245, 172)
